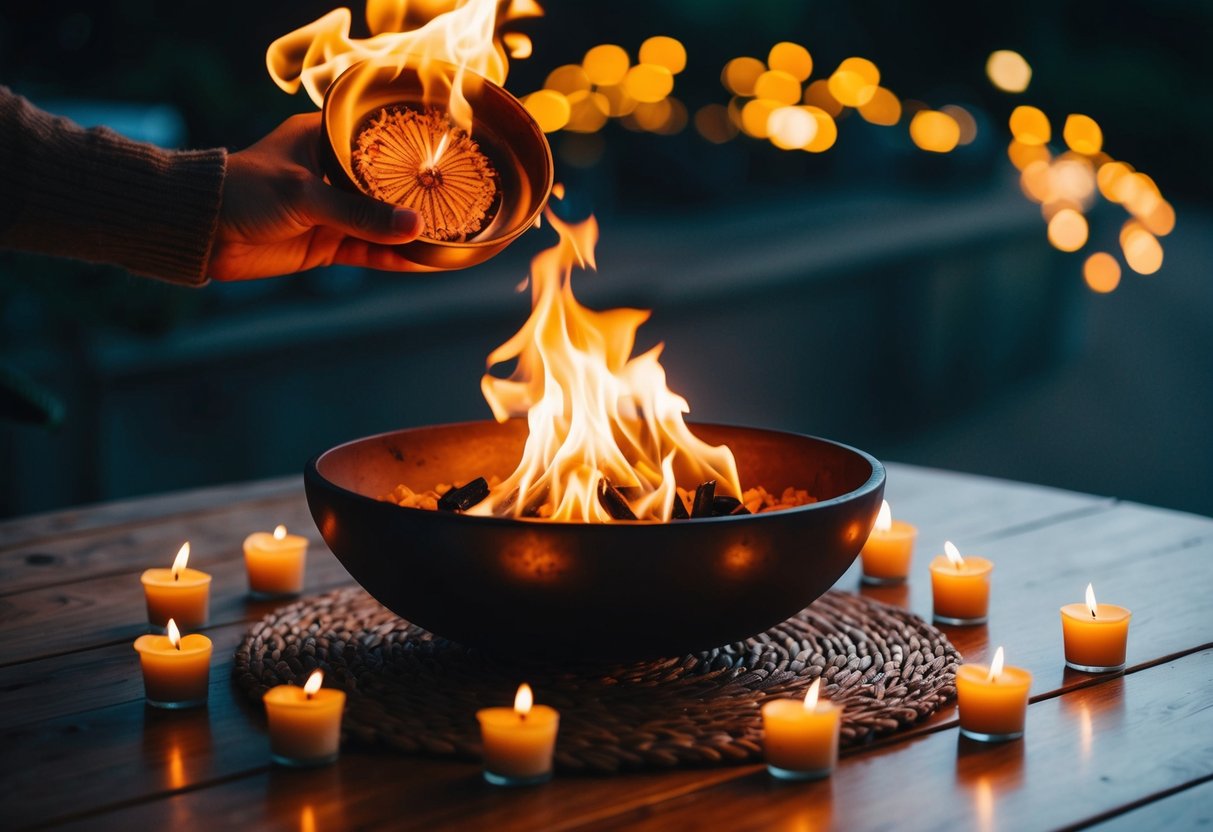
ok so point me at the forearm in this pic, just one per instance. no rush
(94, 195)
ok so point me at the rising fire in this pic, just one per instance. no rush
(466, 36)
(595, 411)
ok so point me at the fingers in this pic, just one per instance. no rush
(352, 252)
(360, 216)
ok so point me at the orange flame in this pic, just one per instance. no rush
(174, 634)
(524, 700)
(814, 693)
(182, 559)
(279, 532)
(996, 666)
(594, 410)
(953, 554)
(884, 519)
(1091, 605)
(313, 683)
(466, 37)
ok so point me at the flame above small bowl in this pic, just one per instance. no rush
(606, 591)
(501, 126)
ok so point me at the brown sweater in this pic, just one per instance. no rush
(95, 195)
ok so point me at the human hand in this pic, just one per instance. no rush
(278, 216)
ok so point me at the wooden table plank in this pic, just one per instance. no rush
(1191, 808)
(24, 531)
(1123, 541)
(215, 536)
(1088, 752)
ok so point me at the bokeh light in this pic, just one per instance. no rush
(588, 111)
(1108, 178)
(549, 108)
(1022, 155)
(1142, 250)
(713, 123)
(740, 74)
(791, 58)
(1008, 71)
(777, 85)
(817, 94)
(606, 64)
(619, 103)
(791, 128)
(934, 131)
(567, 79)
(827, 130)
(664, 51)
(648, 83)
(1030, 126)
(1068, 230)
(1082, 134)
(855, 82)
(964, 120)
(884, 108)
(755, 115)
(1101, 272)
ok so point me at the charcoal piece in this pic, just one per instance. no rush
(464, 497)
(724, 505)
(680, 508)
(613, 501)
(704, 496)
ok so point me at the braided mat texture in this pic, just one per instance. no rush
(419, 693)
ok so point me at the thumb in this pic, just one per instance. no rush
(360, 216)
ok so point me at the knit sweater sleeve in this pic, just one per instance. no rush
(95, 195)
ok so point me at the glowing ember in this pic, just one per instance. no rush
(420, 161)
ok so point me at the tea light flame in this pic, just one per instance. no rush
(183, 558)
(996, 666)
(1091, 605)
(279, 532)
(949, 549)
(810, 698)
(174, 634)
(884, 520)
(313, 683)
(523, 700)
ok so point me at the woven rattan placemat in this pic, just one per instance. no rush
(419, 693)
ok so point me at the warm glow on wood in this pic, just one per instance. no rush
(182, 560)
(523, 700)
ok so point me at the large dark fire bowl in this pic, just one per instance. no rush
(618, 591)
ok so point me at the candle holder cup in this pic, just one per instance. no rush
(503, 130)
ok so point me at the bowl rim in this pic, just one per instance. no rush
(512, 101)
(874, 481)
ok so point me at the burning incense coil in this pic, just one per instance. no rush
(419, 160)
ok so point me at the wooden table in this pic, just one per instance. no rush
(79, 748)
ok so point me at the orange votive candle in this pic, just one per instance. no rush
(960, 587)
(1095, 635)
(176, 669)
(887, 553)
(993, 701)
(519, 741)
(801, 736)
(304, 722)
(275, 562)
(179, 593)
